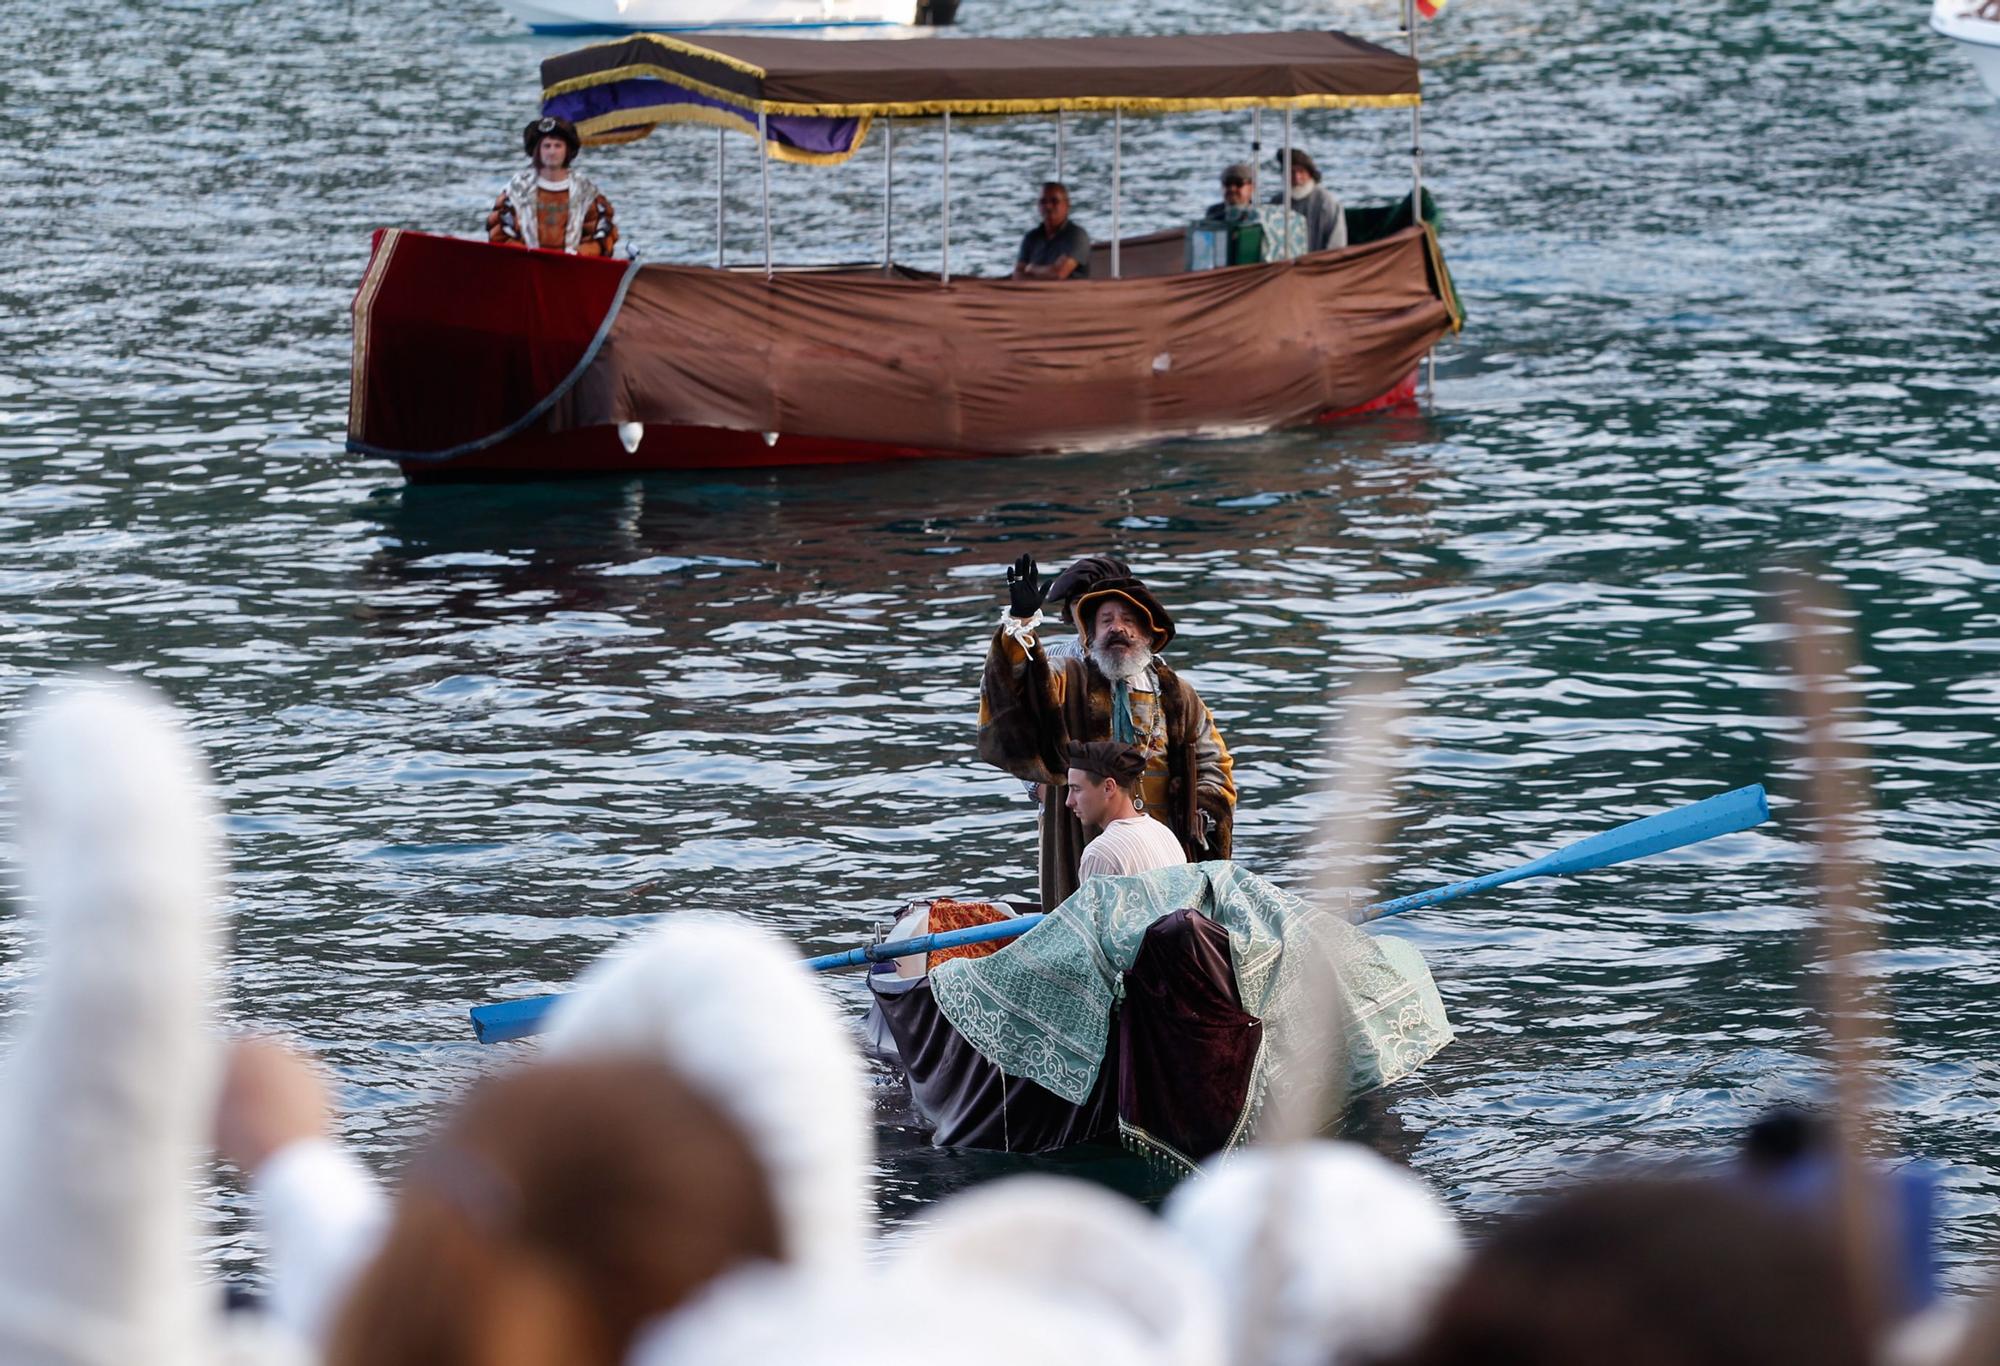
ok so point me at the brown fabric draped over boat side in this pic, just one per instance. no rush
(1005, 367)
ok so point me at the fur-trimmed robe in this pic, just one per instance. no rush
(589, 226)
(1029, 711)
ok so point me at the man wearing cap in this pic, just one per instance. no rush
(549, 206)
(1104, 778)
(1325, 221)
(1034, 704)
(1239, 209)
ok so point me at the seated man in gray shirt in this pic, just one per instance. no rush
(1057, 249)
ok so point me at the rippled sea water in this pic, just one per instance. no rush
(1732, 280)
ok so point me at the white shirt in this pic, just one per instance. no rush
(1137, 844)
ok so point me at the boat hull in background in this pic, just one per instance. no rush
(1978, 39)
(692, 16)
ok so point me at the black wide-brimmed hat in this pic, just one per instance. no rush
(550, 127)
(1122, 763)
(1086, 603)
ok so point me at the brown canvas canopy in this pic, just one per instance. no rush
(797, 76)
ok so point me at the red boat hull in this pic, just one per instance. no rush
(596, 451)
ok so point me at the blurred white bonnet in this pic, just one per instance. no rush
(910, 1314)
(1075, 1245)
(734, 1010)
(1323, 1251)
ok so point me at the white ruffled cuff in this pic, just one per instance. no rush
(1021, 630)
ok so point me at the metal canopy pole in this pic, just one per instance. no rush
(1256, 137)
(1059, 144)
(721, 143)
(1286, 191)
(1117, 195)
(1417, 179)
(764, 176)
(888, 193)
(1416, 126)
(944, 212)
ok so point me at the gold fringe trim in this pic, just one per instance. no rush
(707, 54)
(364, 304)
(1446, 290)
(617, 128)
(1074, 104)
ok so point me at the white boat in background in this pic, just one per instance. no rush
(671, 16)
(1978, 39)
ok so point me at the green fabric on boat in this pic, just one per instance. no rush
(1041, 1007)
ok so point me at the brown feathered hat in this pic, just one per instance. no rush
(1086, 603)
(1085, 574)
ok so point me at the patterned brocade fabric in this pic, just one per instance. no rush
(947, 914)
(1042, 1010)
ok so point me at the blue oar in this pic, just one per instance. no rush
(518, 1019)
(1723, 815)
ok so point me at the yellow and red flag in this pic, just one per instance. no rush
(1429, 8)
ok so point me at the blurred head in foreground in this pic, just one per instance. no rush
(733, 1010)
(1650, 1272)
(1324, 1253)
(560, 1209)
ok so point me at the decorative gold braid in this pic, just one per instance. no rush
(364, 303)
(617, 129)
(672, 44)
(1075, 104)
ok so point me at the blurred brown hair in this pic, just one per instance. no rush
(563, 1206)
(1659, 1271)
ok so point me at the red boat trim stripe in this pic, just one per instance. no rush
(519, 424)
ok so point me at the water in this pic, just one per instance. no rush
(1732, 290)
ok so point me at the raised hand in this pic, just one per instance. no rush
(1025, 590)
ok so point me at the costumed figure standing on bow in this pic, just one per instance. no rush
(1035, 701)
(551, 206)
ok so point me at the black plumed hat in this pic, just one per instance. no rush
(550, 127)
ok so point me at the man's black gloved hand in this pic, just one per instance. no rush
(1025, 589)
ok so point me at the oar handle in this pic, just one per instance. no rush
(1449, 892)
(1010, 928)
(518, 1019)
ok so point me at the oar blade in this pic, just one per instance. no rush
(507, 1020)
(1719, 815)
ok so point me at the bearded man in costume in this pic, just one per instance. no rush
(550, 206)
(1034, 703)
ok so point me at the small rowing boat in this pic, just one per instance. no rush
(1166, 1010)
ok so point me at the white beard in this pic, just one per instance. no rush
(1128, 670)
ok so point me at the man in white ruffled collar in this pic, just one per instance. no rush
(552, 206)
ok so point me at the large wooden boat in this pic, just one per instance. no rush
(477, 361)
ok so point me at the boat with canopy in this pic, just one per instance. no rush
(476, 361)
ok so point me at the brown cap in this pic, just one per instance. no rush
(1121, 763)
